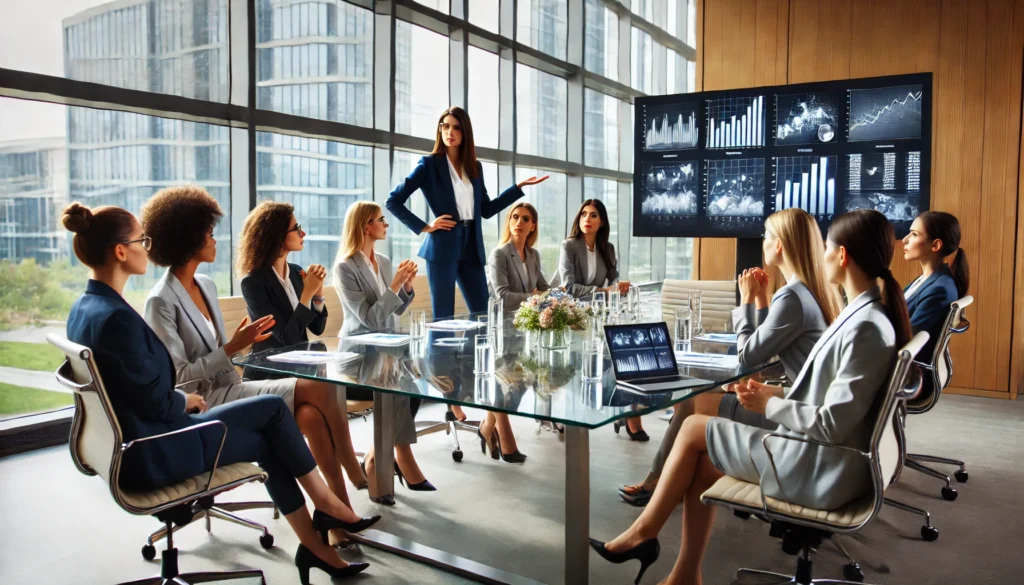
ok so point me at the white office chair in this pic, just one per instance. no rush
(804, 529)
(97, 448)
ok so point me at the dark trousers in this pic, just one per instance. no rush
(464, 268)
(262, 429)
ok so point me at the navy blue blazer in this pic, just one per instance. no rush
(929, 307)
(139, 377)
(264, 295)
(432, 176)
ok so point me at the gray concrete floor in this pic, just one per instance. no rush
(58, 526)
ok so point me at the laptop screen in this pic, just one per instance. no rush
(641, 351)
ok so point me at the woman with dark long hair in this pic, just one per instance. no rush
(452, 182)
(140, 378)
(933, 237)
(830, 402)
(587, 261)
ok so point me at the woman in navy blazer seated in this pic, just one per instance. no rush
(833, 400)
(515, 273)
(182, 308)
(140, 379)
(372, 295)
(452, 183)
(934, 236)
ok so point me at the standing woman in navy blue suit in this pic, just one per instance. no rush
(934, 236)
(452, 182)
(140, 379)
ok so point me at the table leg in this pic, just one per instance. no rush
(384, 442)
(577, 505)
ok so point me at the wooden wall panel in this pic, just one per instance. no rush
(975, 48)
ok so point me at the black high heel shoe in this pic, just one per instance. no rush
(646, 552)
(306, 560)
(423, 486)
(515, 457)
(639, 436)
(382, 500)
(323, 523)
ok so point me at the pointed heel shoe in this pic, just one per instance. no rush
(423, 486)
(324, 523)
(646, 552)
(306, 560)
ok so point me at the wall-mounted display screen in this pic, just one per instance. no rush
(717, 163)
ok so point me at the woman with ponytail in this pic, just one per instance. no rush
(830, 401)
(934, 236)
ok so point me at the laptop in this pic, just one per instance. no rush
(643, 358)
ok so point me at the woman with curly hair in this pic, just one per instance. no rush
(182, 308)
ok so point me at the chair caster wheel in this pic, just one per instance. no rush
(853, 572)
(961, 476)
(267, 540)
(149, 552)
(457, 456)
(949, 494)
(929, 533)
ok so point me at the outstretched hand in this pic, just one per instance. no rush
(532, 181)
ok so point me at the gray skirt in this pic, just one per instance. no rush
(283, 387)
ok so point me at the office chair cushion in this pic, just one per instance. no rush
(227, 477)
(746, 497)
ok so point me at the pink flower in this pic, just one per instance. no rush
(547, 317)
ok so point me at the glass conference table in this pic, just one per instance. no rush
(529, 380)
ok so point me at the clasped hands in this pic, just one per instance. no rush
(754, 395)
(404, 275)
(753, 284)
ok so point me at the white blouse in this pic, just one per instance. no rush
(464, 198)
(289, 290)
(381, 287)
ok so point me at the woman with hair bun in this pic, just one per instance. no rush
(140, 379)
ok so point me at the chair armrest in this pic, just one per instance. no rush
(966, 325)
(195, 427)
(775, 470)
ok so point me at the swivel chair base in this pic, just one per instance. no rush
(852, 573)
(917, 462)
(450, 426)
(222, 511)
(928, 532)
(169, 574)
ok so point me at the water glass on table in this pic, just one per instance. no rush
(684, 329)
(593, 359)
(484, 364)
(418, 325)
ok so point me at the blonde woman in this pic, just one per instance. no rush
(371, 295)
(515, 273)
(788, 327)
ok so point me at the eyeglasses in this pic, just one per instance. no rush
(146, 241)
(446, 127)
(379, 220)
(296, 228)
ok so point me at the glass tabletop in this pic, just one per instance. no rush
(529, 379)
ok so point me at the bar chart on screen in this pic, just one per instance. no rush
(735, 122)
(671, 127)
(806, 182)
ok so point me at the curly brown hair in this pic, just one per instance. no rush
(263, 236)
(179, 220)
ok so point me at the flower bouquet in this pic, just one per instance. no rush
(553, 313)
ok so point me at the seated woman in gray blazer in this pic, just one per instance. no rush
(831, 401)
(182, 308)
(515, 274)
(789, 327)
(371, 295)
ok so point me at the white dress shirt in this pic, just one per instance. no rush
(381, 287)
(464, 198)
(913, 287)
(289, 290)
(592, 264)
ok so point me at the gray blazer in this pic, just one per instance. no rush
(572, 268)
(832, 401)
(513, 280)
(196, 353)
(364, 307)
(789, 327)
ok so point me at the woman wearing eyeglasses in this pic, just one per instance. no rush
(372, 295)
(452, 183)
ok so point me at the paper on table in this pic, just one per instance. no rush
(455, 325)
(719, 337)
(708, 360)
(314, 357)
(391, 339)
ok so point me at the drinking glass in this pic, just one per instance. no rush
(593, 359)
(614, 302)
(496, 312)
(684, 328)
(600, 303)
(418, 325)
(484, 364)
(696, 306)
(484, 390)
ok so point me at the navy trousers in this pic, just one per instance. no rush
(262, 429)
(464, 268)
